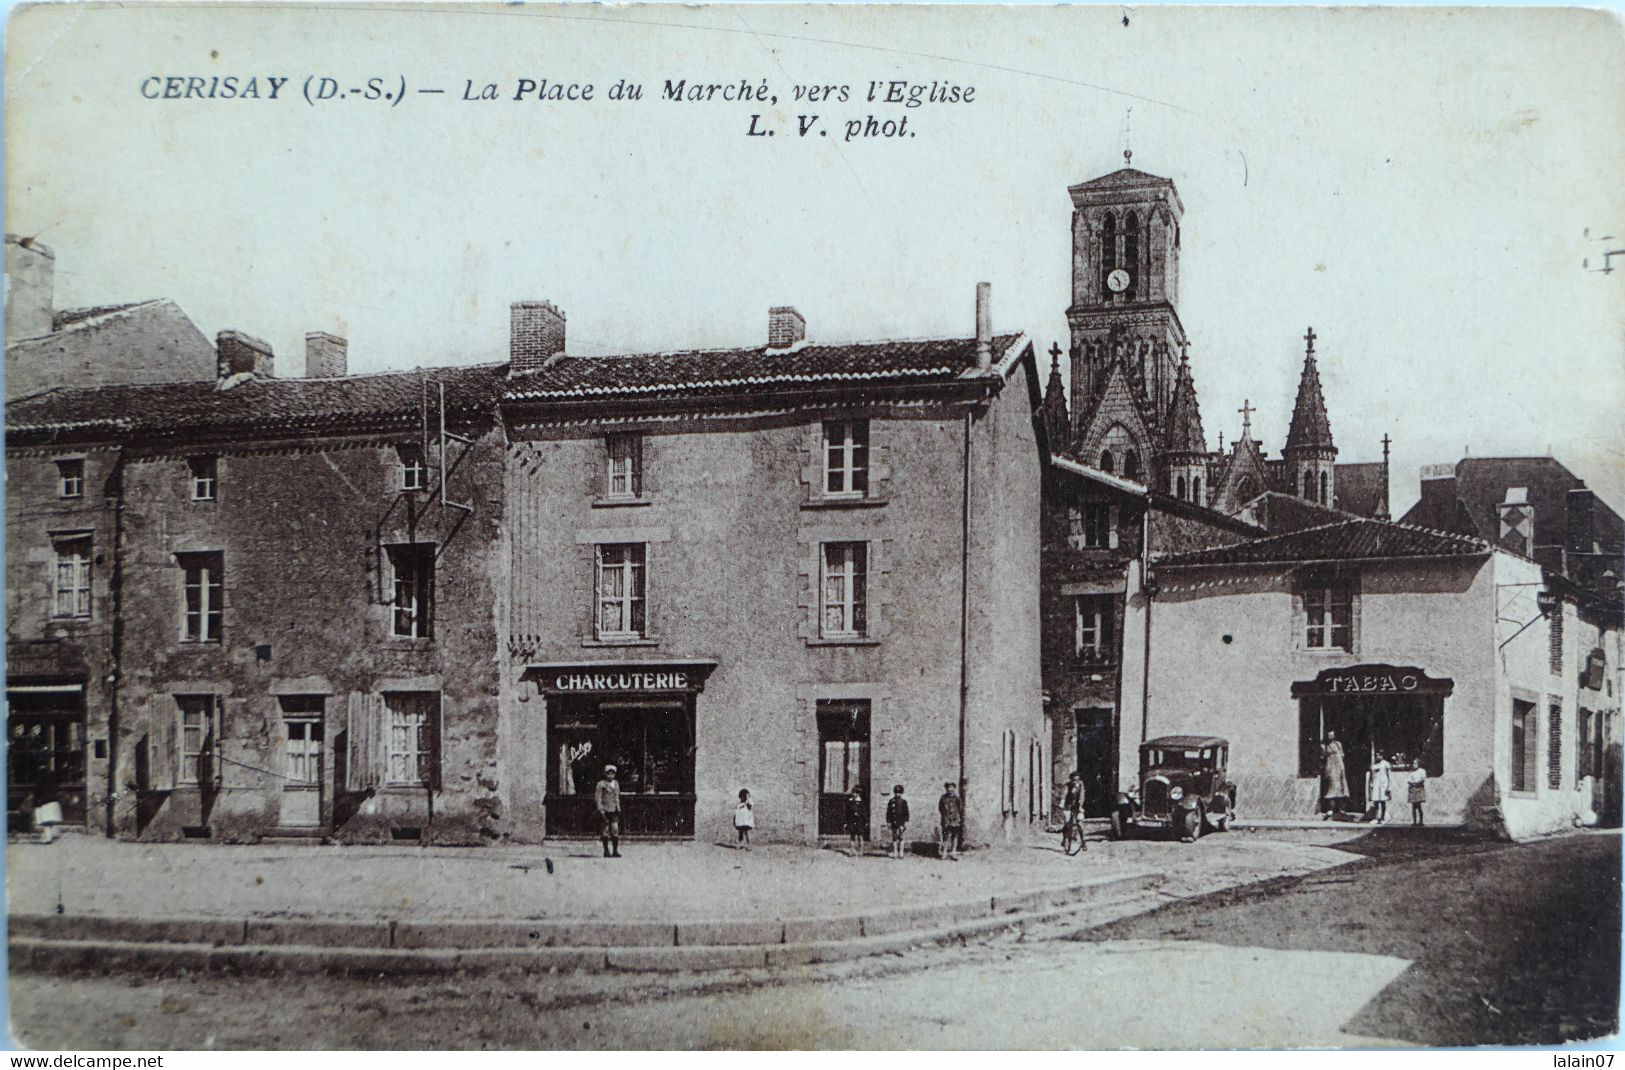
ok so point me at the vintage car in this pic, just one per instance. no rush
(1183, 788)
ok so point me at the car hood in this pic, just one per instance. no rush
(1173, 776)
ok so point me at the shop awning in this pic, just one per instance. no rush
(671, 677)
(1356, 681)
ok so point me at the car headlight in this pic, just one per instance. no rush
(1176, 794)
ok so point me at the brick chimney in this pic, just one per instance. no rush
(785, 327)
(984, 325)
(327, 356)
(237, 353)
(535, 335)
(30, 288)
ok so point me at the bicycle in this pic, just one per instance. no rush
(1072, 834)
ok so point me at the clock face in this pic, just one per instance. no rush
(1117, 281)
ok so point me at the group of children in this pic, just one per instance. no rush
(1379, 788)
(950, 811)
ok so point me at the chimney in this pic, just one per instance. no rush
(984, 325)
(30, 285)
(326, 356)
(238, 354)
(535, 336)
(785, 327)
(1582, 508)
(1517, 527)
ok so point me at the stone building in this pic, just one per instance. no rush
(795, 568)
(1421, 647)
(251, 607)
(140, 342)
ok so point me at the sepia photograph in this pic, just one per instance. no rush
(848, 527)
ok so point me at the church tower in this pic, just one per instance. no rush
(1310, 456)
(1126, 338)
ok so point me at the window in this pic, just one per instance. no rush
(204, 473)
(1105, 460)
(1131, 252)
(1196, 489)
(1589, 746)
(204, 587)
(1096, 615)
(70, 586)
(412, 604)
(1525, 727)
(198, 739)
(1180, 492)
(846, 590)
(625, 466)
(1309, 485)
(1325, 489)
(846, 458)
(414, 469)
(1131, 465)
(1090, 526)
(414, 720)
(1108, 254)
(622, 602)
(1327, 613)
(70, 478)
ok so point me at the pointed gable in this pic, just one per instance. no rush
(1311, 429)
(1185, 434)
(1117, 418)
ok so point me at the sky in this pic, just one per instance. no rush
(1421, 186)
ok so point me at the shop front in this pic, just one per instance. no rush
(45, 748)
(639, 718)
(1392, 711)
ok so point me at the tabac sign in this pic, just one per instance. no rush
(579, 678)
(1373, 680)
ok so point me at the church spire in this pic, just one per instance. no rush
(1311, 429)
(1185, 433)
(1056, 422)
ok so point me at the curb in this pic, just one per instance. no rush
(63, 943)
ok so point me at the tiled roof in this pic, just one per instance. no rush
(1346, 540)
(1282, 513)
(1124, 176)
(700, 372)
(71, 316)
(250, 405)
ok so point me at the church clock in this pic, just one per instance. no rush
(1118, 281)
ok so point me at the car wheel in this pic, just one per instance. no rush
(1118, 829)
(1190, 827)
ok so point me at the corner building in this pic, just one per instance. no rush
(796, 569)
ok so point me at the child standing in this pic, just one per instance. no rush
(1378, 789)
(897, 819)
(1416, 790)
(744, 819)
(857, 820)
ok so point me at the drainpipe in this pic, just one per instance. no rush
(964, 605)
(1145, 588)
(115, 676)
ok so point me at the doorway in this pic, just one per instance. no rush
(45, 751)
(843, 764)
(1097, 760)
(649, 740)
(302, 735)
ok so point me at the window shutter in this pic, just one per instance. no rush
(361, 734)
(212, 745)
(161, 743)
(1111, 528)
(432, 723)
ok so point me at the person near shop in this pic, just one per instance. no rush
(951, 810)
(1334, 780)
(1379, 788)
(744, 819)
(607, 797)
(857, 820)
(1416, 791)
(897, 819)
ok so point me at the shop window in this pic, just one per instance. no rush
(1525, 732)
(1408, 730)
(622, 602)
(648, 737)
(204, 477)
(845, 590)
(414, 468)
(45, 749)
(70, 478)
(413, 721)
(1554, 744)
(198, 739)
(70, 581)
(1095, 615)
(412, 603)
(1328, 609)
(625, 460)
(846, 458)
(203, 590)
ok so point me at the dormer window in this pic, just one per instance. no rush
(204, 474)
